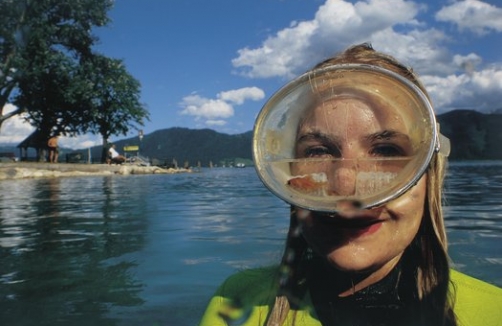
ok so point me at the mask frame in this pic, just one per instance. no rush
(274, 134)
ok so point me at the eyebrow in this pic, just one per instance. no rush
(317, 135)
(386, 135)
(380, 135)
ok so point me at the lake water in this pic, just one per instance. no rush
(151, 249)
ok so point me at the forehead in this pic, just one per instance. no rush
(352, 115)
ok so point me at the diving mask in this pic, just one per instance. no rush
(350, 134)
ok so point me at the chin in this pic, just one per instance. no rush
(354, 262)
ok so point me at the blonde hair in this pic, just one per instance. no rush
(429, 248)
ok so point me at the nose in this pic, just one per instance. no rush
(342, 181)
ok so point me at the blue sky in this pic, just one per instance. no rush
(213, 63)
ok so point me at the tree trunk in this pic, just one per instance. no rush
(104, 151)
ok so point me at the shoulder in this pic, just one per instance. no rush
(256, 284)
(243, 298)
(467, 285)
(246, 298)
(476, 302)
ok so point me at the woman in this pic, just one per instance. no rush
(354, 147)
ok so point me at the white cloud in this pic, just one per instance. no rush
(15, 129)
(336, 25)
(478, 90)
(218, 123)
(478, 16)
(222, 107)
(279, 55)
(342, 18)
(201, 107)
(418, 49)
(455, 80)
(238, 96)
(468, 62)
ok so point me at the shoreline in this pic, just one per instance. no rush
(27, 170)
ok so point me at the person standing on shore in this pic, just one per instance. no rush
(52, 144)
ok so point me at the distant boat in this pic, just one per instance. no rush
(240, 165)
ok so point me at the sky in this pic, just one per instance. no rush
(214, 63)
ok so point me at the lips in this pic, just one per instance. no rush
(349, 227)
(353, 222)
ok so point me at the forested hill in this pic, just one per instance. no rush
(473, 136)
(193, 145)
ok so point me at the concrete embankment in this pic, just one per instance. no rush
(22, 170)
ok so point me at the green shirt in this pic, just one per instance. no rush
(245, 299)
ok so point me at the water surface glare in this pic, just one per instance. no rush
(151, 249)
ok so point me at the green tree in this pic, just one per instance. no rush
(49, 71)
(54, 97)
(113, 99)
(42, 39)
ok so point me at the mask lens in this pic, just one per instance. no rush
(347, 179)
(352, 133)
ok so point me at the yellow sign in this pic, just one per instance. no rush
(131, 148)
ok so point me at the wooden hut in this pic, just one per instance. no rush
(38, 141)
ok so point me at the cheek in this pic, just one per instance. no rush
(408, 210)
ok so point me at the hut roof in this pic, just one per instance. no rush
(35, 140)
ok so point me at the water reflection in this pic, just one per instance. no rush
(59, 251)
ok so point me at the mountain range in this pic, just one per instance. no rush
(473, 135)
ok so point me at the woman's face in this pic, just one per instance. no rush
(349, 130)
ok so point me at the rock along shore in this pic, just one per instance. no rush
(23, 170)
